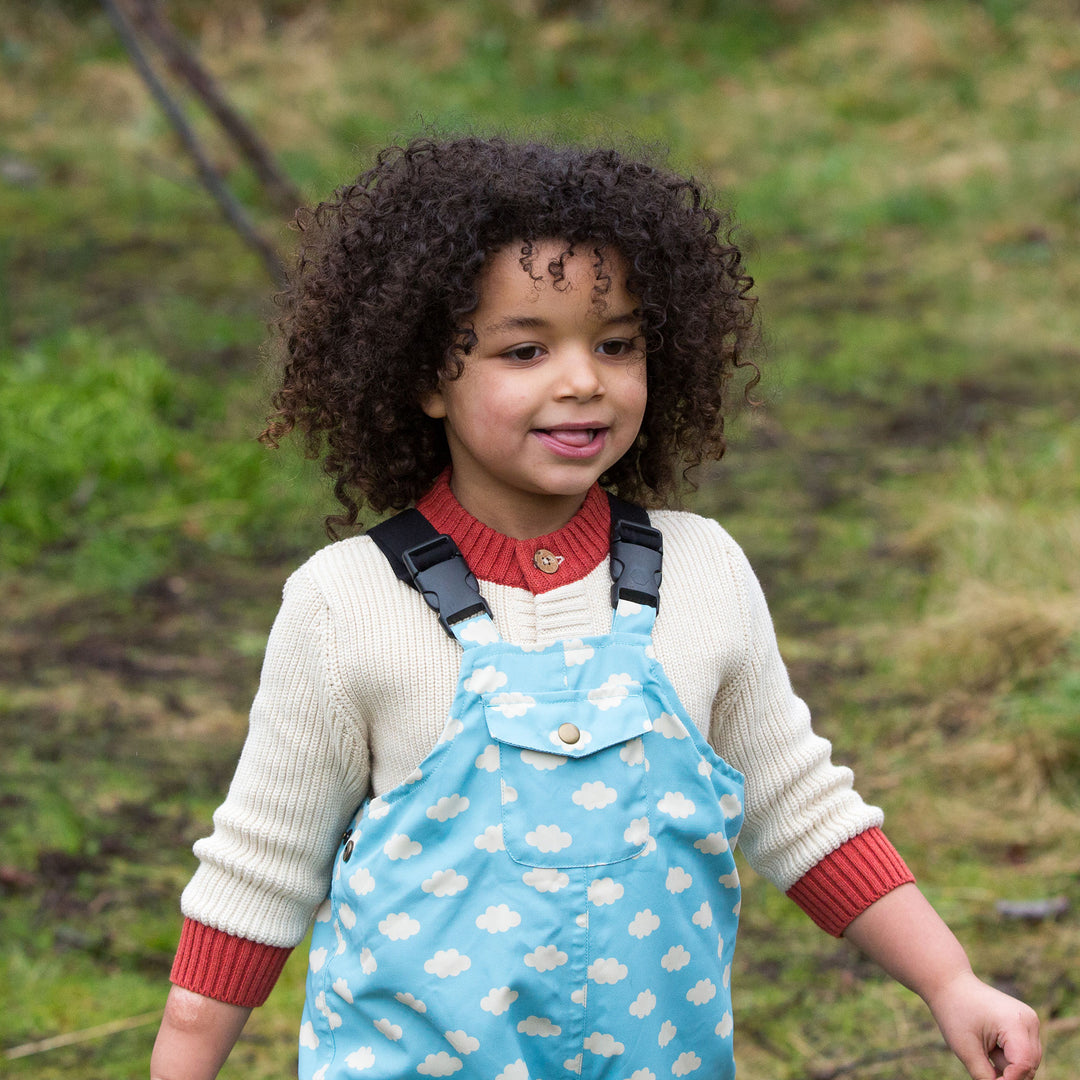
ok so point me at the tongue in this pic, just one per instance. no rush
(581, 437)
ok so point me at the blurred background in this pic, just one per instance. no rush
(907, 178)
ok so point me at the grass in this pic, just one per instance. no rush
(906, 176)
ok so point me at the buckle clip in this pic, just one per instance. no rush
(637, 553)
(444, 580)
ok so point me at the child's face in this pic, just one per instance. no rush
(551, 396)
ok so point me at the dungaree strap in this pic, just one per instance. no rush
(431, 563)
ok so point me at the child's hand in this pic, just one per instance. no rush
(994, 1035)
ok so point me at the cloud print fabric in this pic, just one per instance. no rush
(553, 894)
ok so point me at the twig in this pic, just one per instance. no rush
(72, 1038)
(234, 213)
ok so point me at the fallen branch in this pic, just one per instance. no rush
(233, 212)
(282, 192)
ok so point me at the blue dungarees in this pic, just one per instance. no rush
(552, 893)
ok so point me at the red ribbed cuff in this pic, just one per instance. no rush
(226, 968)
(845, 883)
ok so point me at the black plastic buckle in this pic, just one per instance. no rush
(443, 578)
(637, 553)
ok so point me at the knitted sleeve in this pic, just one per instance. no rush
(800, 807)
(302, 772)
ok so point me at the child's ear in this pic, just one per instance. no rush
(434, 405)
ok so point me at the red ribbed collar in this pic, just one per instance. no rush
(579, 546)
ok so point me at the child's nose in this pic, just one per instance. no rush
(579, 375)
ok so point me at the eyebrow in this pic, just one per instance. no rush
(531, 322)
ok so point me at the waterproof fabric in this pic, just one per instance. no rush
(552, 893)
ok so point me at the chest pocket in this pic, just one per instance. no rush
(573, 777)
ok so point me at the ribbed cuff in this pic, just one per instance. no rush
(845, 883)
(226, 968)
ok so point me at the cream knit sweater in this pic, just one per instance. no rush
(359, 676)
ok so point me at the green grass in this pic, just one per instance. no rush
(906, 175)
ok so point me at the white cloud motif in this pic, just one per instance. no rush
(363, 1057)
(308, 1039)
(324, 911)
(670, 726)
(542, 761)
(576, 652)
(702, 992)
(604, 890)
(362, 882)
(613, 691)
(675, 959)
(643, 924)
(548, 838)
(731, 805)
(637, 833)
(678, 880)
(539, 1026)
(573, 1064)
(594, 795)
(446, 963)
(445, 883)
(484, 680)
(348, 916)
(716, 843)
(368, 963)
(341, 946)
(497, 919)
(675, 804)
(412, 1001)
(643, 1004)
(729, 881)
(603, 1045)
(489, 759)
(491, 839)
(392, 1031)
(453, 729)
(320, 1073)
(378, 808)
(632, 752)
(686, 1063)
(449, 806)
(507, 794)
(546, 879)
(580, 996)
(607, 970)
(399, 846)
(498, 999)
(627, 607)
(481, 630)
(341, 988)
(462, 1042)
(643, 1074)
(545, 958)
(398, 926)
(667, 1033)
(511, 704)
(703, 916)
(440, 1064)
(316, 959)
(725, 1027)
(516, 1070)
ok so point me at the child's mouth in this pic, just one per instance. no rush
(572, 442)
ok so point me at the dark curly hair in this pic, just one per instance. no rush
(377, 309)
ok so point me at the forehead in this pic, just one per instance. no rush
(521, 272)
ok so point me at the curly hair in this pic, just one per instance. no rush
(377, 309)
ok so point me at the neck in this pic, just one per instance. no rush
(538, 517)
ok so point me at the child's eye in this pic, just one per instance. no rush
(523, 353)
(616, 347)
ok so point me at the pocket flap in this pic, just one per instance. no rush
(568, 723)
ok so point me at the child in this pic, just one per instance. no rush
(541, 885)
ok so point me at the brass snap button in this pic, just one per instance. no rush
(569, 734)
(546, 561)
